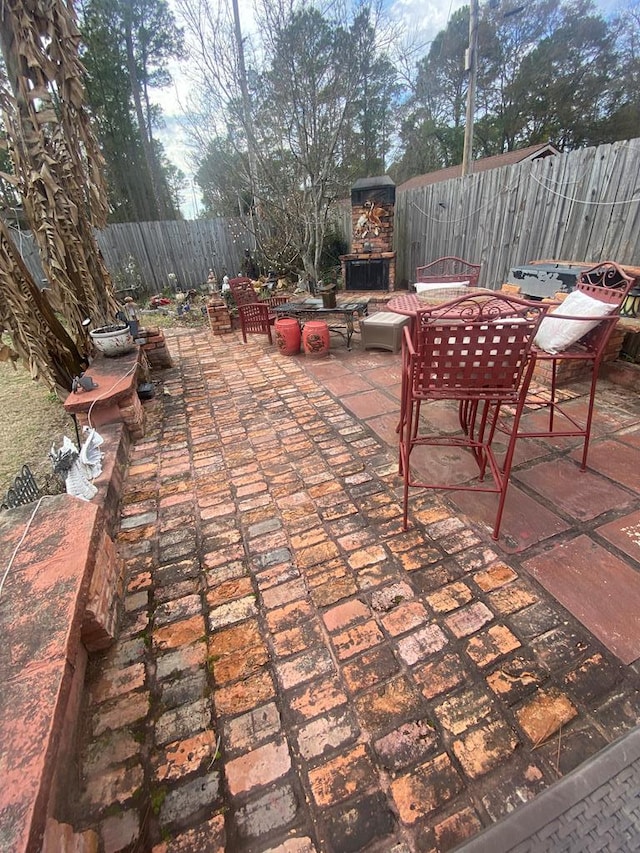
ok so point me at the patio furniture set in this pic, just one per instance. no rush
(259, 316)
(479, 349)
(476, 347)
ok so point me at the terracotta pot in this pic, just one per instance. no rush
(315, 339)
(288, 335)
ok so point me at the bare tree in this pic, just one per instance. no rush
(286, 116)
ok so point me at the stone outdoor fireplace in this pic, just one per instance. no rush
(371, 265)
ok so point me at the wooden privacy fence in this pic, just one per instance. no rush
(149, 253)
(584, 205)
(184, 249)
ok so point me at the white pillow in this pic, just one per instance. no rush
(422, 286)
(557, 334)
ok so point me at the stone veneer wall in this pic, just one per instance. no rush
(115, 397)
(366, 244)
(66, 571)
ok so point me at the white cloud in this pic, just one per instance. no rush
(423, 21)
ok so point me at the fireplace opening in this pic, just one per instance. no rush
(367, 274)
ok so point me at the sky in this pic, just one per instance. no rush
(422, 18)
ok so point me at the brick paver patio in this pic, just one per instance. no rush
(295, 672)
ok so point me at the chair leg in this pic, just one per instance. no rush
(587, 428)
(406, 429)
(552, 401)
(505, 473)
(405, 498)
(480, 453)
(416, 422)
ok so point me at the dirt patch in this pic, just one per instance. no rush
(32, 420)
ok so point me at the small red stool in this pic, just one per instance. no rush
(315, 339)
(287, 335)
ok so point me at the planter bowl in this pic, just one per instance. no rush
(112, 341)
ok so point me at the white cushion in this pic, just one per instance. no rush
(422, 286)
(558, 334)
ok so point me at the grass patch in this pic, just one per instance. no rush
(158, 796)
(32, 420)
(170, 320)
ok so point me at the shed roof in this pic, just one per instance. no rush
(533, 152)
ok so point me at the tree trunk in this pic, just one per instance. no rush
(147, 145)
(39, 337)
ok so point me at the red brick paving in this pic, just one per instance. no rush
(601, 590)
(624, 533)
(583, 495)
(621, 463)
(297, 674)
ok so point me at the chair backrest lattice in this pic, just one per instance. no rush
(243, 291)
(474, 347)
(255, 316)
(449, 269)
(274, 301)
(608, 283)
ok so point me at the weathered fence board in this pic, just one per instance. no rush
(584, 205)
(185, 249)
(154, 250)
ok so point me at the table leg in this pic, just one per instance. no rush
(349, 324)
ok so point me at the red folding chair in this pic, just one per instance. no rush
(579, 330)
(274, 301)
(473, 350)
(242, 291)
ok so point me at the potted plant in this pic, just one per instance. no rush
(112, 340)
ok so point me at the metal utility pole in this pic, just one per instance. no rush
(472, 68)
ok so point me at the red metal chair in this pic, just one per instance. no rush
(449, 270)
(473, 350)
(608, 284)
(256, 318)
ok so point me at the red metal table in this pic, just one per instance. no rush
(410, 303)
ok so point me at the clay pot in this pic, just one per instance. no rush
(287, 335)
(328, 295)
